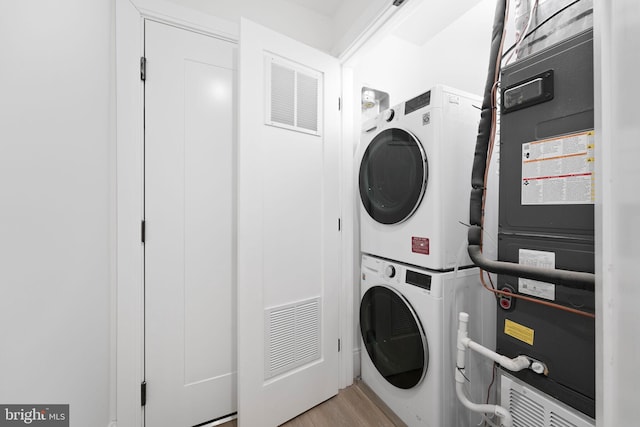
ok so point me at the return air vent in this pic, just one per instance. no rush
(525, 410)
(559, 421)
(293, 96)
(292, 336)
(283, 95)
(532, 408)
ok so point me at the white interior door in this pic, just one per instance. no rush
(288, 236)
(190, 300)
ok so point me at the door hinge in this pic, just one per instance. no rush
(143, 393)
(339, 104)
(143, 231)
(339, 345)
(143, 68)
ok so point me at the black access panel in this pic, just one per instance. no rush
(563, 76)
(564, 341)
(546, 215)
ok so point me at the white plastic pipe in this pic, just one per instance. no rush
(516, 364)
(464, 343)
(505, 417)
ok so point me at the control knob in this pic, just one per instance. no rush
(388, 115)
(390, 271)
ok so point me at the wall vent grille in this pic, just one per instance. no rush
(307, 102)
(283, 95)
(532, 408)
(293, 96)
(292, 336)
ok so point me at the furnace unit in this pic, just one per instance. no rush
(546, 215)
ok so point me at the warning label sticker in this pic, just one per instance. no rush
(559, 171)
(420, 245)
(535, 288)
(518, 331)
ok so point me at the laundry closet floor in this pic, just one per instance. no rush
(355, 406)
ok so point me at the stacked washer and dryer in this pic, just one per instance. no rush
(414, 179)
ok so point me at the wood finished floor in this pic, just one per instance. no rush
(354, 406)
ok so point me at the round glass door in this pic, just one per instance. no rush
(393, 337)
(393, 176)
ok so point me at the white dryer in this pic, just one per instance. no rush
(408, 329)
(415, 179)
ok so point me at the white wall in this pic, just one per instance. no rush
(56, 136)
(457, 56)
(617, 59)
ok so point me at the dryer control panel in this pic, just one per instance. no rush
(417, 103)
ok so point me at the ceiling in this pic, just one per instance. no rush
(429, 18)
(324, 7)
(421, 21)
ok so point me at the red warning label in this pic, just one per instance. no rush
(420, 245)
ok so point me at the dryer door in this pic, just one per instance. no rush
(393, 176)
(394, 337)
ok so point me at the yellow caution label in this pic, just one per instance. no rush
(518, 331)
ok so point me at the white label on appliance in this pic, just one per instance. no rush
(533, 287)
(559, 171)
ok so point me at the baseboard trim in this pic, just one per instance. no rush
(356, 362)
(221, 421)
(379, 403)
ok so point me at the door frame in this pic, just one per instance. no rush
(127, 321)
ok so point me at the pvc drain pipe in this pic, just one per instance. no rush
(516, 364)
(505, 416)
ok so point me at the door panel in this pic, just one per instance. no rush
(393, 176)
(190, 301)
(288, 237)
(393, 337)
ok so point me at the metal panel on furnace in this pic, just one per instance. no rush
(546, 212)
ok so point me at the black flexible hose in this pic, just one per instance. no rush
(572, 279)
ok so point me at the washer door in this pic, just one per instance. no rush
(393, 337)
(393, 176)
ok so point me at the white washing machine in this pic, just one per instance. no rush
(408, 336)
(415, 179)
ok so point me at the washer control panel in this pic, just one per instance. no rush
(398, 273)
(419, 279)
